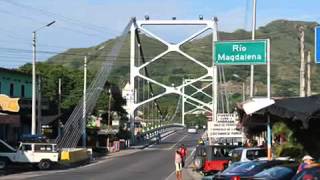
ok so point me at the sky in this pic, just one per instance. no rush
(85, 23)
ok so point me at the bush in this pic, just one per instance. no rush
(293, 151)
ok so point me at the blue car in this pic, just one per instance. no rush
(275, 173)
(248, 169)
(33, 138)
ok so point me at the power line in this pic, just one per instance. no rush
(79, 23)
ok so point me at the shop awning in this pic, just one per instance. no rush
(295, 109)
(255, 104)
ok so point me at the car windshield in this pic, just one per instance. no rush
(248, 166)
(232, 166)
(275, 172)
(256, 153)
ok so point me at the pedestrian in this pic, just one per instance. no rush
(308, 161)
(178, 161)
(158, 138)
(183, 152)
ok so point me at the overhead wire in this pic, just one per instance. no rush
(74, 21)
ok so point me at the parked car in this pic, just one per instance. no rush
(248, 169)
(308, 174)
(247, 154)
(212, 158)
(275, 173)
(44, 155)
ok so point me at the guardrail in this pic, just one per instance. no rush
(147, 136)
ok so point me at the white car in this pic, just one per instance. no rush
(192, 130)
(248, 154)
(44, 155)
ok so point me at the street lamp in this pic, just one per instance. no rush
(243, 86)
(33, 121)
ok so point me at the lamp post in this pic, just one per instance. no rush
(34, 57)
(243, 86)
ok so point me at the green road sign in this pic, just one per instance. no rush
(240, 52)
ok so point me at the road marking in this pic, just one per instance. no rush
(173, 172)
(178, 142)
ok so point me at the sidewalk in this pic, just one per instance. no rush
(189, 174)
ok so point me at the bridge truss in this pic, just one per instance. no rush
(136, 69)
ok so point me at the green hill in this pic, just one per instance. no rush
(173, 67)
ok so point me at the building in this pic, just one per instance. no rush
(15, 84)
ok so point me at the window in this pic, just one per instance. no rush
(26, 147)
(22, 91)
(11, 89)
(44, 148)
(258, 153)
(236, 155)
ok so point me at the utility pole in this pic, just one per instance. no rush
(84, 109)
(33, 115)
(109, 109)
(182, 103)
(302, 65)
(109, 117)
(34, 58)
(253, 37)
(59, 107)
(309, 93)
(39, 124)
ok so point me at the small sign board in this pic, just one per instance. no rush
(224, 127)
(249, 52)
(317, 44)
(9, 104)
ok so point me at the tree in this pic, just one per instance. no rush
(72, 83)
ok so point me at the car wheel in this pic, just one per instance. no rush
(3, 163)
(44, 164)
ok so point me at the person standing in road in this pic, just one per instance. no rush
(178, 163)
(183, 152)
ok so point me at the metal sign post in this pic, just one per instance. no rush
(247, 53)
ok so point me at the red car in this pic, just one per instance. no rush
(213, 158)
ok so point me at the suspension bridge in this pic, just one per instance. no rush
(145, 91)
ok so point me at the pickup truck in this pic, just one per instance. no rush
(42, 155)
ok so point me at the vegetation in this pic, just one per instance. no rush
(72, 90)
(286, 144)
(196, 120)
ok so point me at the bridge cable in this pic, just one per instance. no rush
(74, 124)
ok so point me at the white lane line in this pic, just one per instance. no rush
(173, 172)
(178, 142)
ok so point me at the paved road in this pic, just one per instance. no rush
(156, 162)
